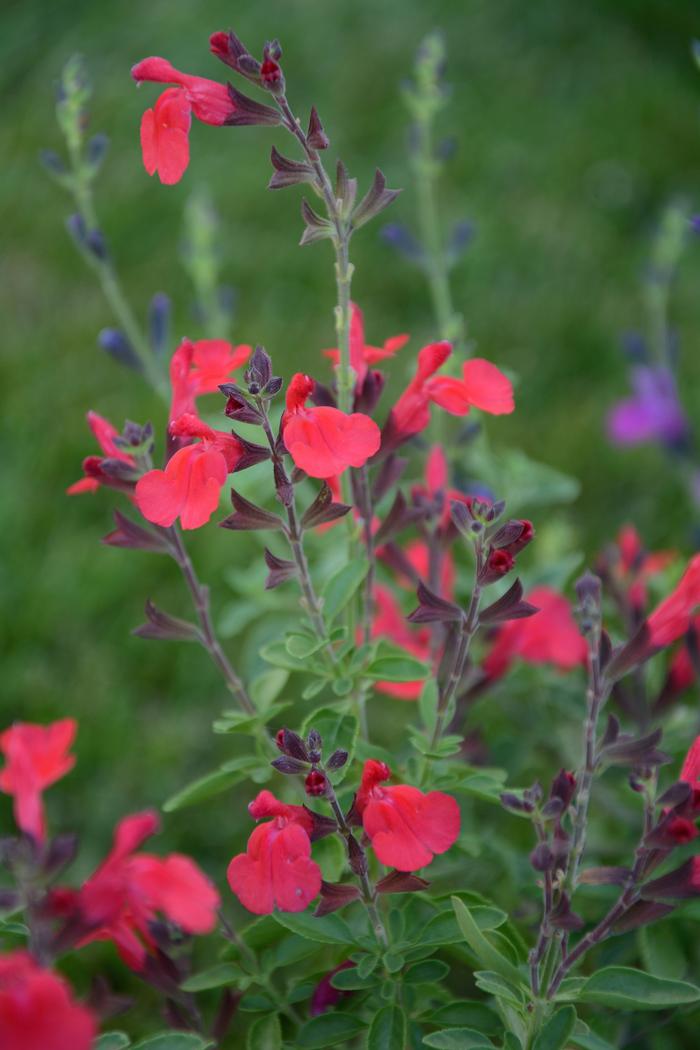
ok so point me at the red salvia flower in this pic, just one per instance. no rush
(164, 129)
(390, 622)
(324, 441)
(37, 1010)
(673, 617)
(276, 871)
(37, 756)
(200, 368)
(406, 827)
(683, 828)
(105, 434)
(361, 353)
(127, 891)
(191, 483)
(325, 996)
(483, 386)
(636, 566)
(550, 636)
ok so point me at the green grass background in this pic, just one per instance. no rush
(576, 123)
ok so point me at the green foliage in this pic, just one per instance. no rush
(387, 1030)
(628, 989)
(341, 588)
(174, 1041)
(265, 1034)
(328, 1030)
(113, 1041)
(458, 1039)
(220, 780)
(556, 1031)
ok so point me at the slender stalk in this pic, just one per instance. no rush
(200, 598)
(537, 954)
(368, 537)
(260, 978)
(369, 895)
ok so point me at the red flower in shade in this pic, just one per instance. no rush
(164, 129)
(483, 386)
(681, 672)
(683, 828)
(191, 483)
(37, 756)
(362, 354)
(127, 891)
(390, 622)
(636, 566)
(165, 144)
(325, 995)
(276, 871)
(551, 636)
(324, 441)
(200, 368)
(406, 827)
(37, 1011)
(436, 489)
(105, 434)
(673, 617)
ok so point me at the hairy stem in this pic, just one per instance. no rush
(200, 598)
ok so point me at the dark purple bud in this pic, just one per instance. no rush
(335, 895)
(322, 826)
(251, 454)
(400, 517)
(563, 787)
(314, 741)
(628, 751)
(376, 200)
(228, 48)
(271, 75)
(316, 227)
(316, 784)
(323, 509)
(368, 394)
(134, 537)
(680, 884)
(402, 241)
(337, 759)
(498, 564)
(288, 765)
(113, 342)
(553, 807)
(589, 593)
(514, 536)
(249, 517)
(515, 803)
(677, 795)
(77, 229)
(509, 606)
(62, 850)
(96, 243)
(462, 518)
(562, 917)
(237, 407)
(316, 136)
(294, 746)
(625, 657)
(534, 793)
(609, 876)
(357, 858)
(258, 373)
(641, 914)
(281, 570)
(612, 731)
(97, 150)
(401, 882)
(542, 858)
(433, 609)
(163, 626)
(288, 172)
(159, 322)
(51, 161)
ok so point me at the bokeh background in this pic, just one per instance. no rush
(575, 124)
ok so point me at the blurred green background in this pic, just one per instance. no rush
(575, 124)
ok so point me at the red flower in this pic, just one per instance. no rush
(673, 617)
(436, 487)
(276, 871)
(406, 827)
(191, 483)
(37, 1011)
(324, 441)
(165, 145)
(105, 434)
(390, 622)
(126, 892)
(361, 353)
(164, 129)
(37, 756)
(551, 636)
(483, 386)
(200, 368)
(325, 995)
(636, 566)
(683, 828)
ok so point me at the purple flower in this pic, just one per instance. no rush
(653, 413)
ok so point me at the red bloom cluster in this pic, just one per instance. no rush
(37, 1010)
(482, 386)
(550, 636)
(165, 128)
(276, 871)
(406, 827)
(323, 441)
(200, 368)
(362, 355)
(37, 756)
(122, 898)
(673, 617)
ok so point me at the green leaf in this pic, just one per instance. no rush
(328, 1030)
(394, 960)
(589, 1041)
(444, 929)
(497, 986)
(630, 989)
(256, 1004)
(662, 952)
(470, 1013)
(387, 1030)
(555, 1033)
(427, 971)
(330, 929)
(267, 687)
(275, 653)
(113, 1041)
(215, 783)
(301, 646)
(331, 856)
(174, 1041)
(351, 980)
(342, 585)
(338, 730)
(427, 704)
(265, 1034)
(215, 977)
(396, 667)
(458, 1039)
(487, 955)
(367, 965)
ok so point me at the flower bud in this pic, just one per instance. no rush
(542, 858)
(563, 787)
(337, 759)
(315, 783)
(498, 564)
(357, 858)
